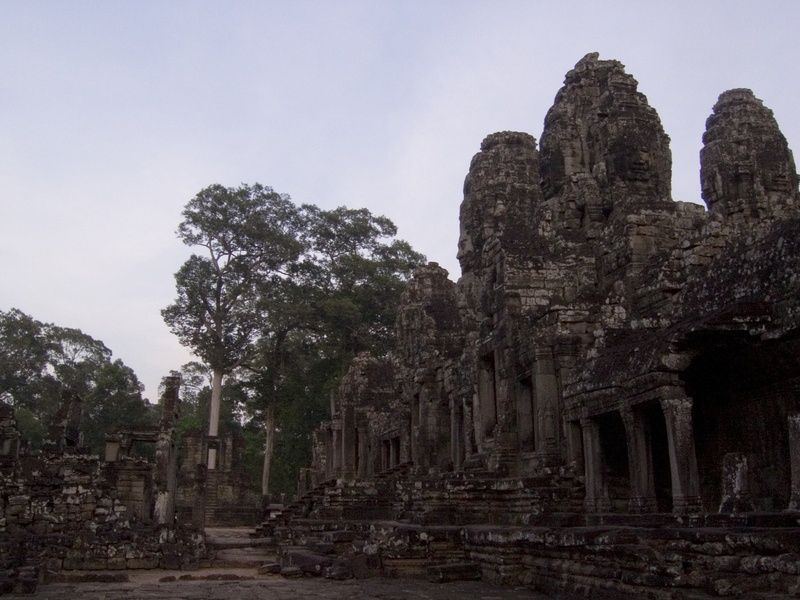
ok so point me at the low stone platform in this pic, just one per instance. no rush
(145, 586)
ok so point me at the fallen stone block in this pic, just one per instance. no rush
(269, 568)
(338, 572)
(291, 572)
(309, 562)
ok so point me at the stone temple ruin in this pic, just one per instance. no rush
(607, 402)
(609, 396)
(63, 509)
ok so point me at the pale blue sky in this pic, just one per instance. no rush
(113, 114)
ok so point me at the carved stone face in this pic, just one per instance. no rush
(466, 251)
(636, 149)
(552, 172)
(741, 174)
(777, 169)
(629, 163)
(746, 165)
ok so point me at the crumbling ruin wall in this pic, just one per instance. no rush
(62, 509)
(65, 512)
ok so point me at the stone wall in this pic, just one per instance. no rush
(63, 509)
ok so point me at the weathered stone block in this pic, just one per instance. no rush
(313, 564)
(271, 568)
(142, 563)
(117, 563)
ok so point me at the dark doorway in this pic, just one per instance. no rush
(743, 391)
(614, 445)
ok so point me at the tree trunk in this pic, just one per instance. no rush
(269, 443)
(213, 416)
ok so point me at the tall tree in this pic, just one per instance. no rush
(341, 300)
(249, 234)
(286, 295)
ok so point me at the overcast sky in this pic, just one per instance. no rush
(113, 114)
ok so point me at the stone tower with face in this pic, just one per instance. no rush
(603, 138)
(747, 171)
(500, 194)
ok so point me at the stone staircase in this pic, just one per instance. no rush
(478, 497)
(235, 548)
(409, 523)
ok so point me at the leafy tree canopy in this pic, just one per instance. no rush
(39, 361)
(284, 296)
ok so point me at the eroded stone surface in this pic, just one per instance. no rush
(608, 357)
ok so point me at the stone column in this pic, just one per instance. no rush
(682, 458)
(640, 462)
(574, 443)
(348, 442)
(165, 483)
(456, 432)
(337, 451)
(596, 499)
(547, 404)
(794, 460)
(505, 446)
(329, 453)
(486, 410)
(363, 459)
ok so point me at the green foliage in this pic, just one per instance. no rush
(24, 351)
(285, 299)
(32, 430)
(39, 361)
(114, 401)
(248, 234)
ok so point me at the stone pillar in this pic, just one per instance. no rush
(794, 460)
(456, 432)
(363, 459)
(418, 450)
(443, 445)
(329, 453)
(348, 442)
(337, 451)
(596, 499)
(486, 411)
(547, 404)
(735, 484)
(574, 443)
(165, 482)
(682, 457)
(640, 462)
